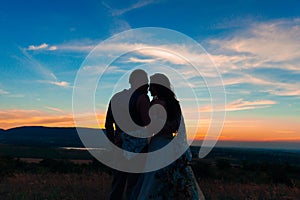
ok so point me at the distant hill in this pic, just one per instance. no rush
(1, 134)
(42, 136)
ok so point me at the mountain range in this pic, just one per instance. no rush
(43, 136)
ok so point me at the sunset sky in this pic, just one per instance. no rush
(254, 44)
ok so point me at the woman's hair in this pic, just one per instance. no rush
(164, 92)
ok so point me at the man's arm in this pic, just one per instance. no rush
(109, 124)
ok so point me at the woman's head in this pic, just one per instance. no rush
(160, 85)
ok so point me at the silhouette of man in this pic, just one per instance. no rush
(139, 104)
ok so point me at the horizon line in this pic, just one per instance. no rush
(195, 140)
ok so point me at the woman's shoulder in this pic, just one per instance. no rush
(158, 101)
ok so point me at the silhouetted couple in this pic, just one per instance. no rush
(176, 180)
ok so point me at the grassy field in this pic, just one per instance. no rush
(52, 186)
(50, 173)
(90, 186)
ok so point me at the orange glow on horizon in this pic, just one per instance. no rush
(255, 130)
(234, 129)
(16, 118)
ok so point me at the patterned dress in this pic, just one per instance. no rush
(175, 181)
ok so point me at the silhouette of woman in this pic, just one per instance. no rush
(175, 181)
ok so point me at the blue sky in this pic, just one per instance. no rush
(255, 45)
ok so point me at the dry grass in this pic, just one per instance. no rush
(91, 186)
(215, 189)
(52, 186)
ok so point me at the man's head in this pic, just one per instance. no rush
(138, 78)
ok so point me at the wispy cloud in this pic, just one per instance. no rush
(60, 83)
(53, 48)
(57, 83)
(118, 25)
(76, 46)
(2, 92)
(15, 118)
(261, 46)
(285, 92)
(118, 12)
(41, 69)
(97, 70)
(247, 78)
(274, 44)
(27, 60)
(274, 87)
(18, 114)
(172, 53)
(55, 109)
(9, 94)
(240, 104)
(16, 95)
(44, 46)
(139, 60)
(161, 52)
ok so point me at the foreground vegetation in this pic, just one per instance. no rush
(63, 179)
(96, 185)
(224, 174)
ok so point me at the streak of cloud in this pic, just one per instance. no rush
(239, 105)
(10, 118)
(2, 92)
(55, 109)
(118, 12)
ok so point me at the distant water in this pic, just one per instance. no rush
(83, 148)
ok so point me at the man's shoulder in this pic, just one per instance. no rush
(120, 97)
(120, 94)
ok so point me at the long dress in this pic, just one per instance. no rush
(175, 181)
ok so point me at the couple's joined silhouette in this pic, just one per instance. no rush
(176, 180)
